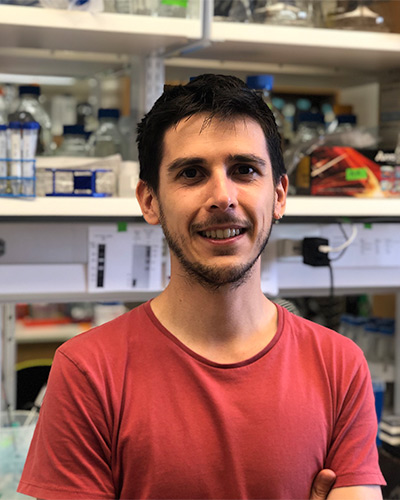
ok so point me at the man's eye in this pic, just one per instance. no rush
(245, 170)
(190, 173)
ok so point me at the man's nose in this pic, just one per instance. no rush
(223, 193)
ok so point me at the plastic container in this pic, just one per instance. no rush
(15, 439)
(28, 108)
(74, 141)
(98, 182)
(107, 139)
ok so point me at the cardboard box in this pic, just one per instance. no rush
(345, 171)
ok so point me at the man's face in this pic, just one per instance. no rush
(217, 199)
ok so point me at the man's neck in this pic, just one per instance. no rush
(226, 325)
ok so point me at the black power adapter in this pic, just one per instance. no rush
(311, 253)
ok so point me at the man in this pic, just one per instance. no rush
(209, 390)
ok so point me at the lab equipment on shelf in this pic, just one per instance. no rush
(17, 159)
(28, 108)
(78, 182)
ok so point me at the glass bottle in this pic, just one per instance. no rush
(107, 139)
(311, 126)
(285, 12)
(173, 8)
(28, 108)
(355, 15)
(74, 141)
(232, 10)
(345, 123)
(264, 83)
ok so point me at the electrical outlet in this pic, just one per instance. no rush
(312, 254)
(290, 248)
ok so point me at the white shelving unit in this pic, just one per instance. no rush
(70, 43)
(128, 208)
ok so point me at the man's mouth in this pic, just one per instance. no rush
(222, 234)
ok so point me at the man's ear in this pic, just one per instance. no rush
(281, 190)
(148, 203)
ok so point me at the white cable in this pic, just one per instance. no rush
(327, 248)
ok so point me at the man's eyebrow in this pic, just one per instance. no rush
(184, 162)
(248, 158)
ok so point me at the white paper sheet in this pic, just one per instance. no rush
(124, 260)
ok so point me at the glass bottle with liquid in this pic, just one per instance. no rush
(29, 108)
(74, 141)
(264, 84)
(107, 139)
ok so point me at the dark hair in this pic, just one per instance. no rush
(224, 97)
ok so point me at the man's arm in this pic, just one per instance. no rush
(370, 492)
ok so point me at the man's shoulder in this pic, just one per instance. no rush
(310, 332)
(112, 336)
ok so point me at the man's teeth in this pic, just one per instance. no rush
(221, 234)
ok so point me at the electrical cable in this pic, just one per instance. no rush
(346, 238)
(327, 248)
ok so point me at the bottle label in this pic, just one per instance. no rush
(177, 3)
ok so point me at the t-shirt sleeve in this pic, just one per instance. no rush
(70, 454)
(353, 454)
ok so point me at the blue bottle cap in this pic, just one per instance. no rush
(74, 129)
(260, 82)
(347, 119)
(29, 89)
(31, 126)
(14, 125)
(108, 113)
(308, 116)
(3, 127)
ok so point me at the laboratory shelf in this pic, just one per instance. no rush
(298, 208)
(71, 208)
(354, 50)
(33, 33)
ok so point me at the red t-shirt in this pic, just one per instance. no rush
(130, 412)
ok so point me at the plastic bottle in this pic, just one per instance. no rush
(107, 139)
(265, 83)
(74, 141)
(28, 108)
(286, 12)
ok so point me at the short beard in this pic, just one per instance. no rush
(210, 277)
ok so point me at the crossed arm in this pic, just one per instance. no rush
(325, 479)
